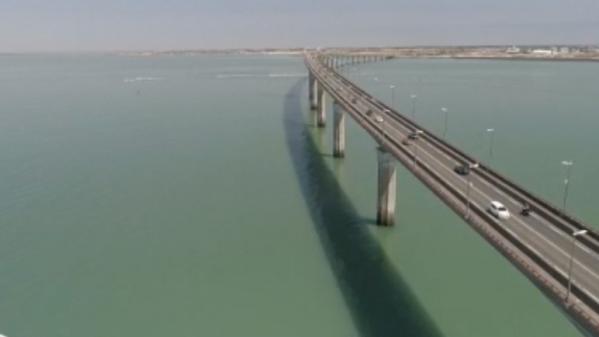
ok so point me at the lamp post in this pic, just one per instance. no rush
(381, 120)
(568, 164)
(413, 97)
(417, 134)
(491, 141)
(468, 188)
(444, 110)
(570, 264)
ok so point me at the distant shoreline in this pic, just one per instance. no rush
(545, 59)
(499, 58)
(540, 53)
(563, 53)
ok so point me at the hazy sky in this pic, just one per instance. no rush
(87, 25)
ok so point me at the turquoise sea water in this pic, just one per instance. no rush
(191, 196)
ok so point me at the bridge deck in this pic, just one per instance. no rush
(538, 244)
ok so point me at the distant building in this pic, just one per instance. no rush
(564, 50)
(542, 52)
(513, 50)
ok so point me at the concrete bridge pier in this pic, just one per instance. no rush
(338, 131)
(311, 89)
(321, 110)
(387, 185)
(313, 94)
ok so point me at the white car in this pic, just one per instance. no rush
(499, 211)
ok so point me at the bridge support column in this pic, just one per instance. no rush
(314, 89)
(338, 131)
(387, 184)
(322, 108)
(311, 89)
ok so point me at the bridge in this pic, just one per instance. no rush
(556, 251)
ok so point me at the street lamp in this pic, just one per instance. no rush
(413, 97)
(469, 187)
(444, 110)
(568, 164)
(417, 134)
(570, 264)
(392, 87)
(381, 120)
(491, 141)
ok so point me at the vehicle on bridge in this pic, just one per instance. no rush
(525, 209)
(462, 170)
(414, 135)
(499, 211)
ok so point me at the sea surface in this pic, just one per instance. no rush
(192, 196)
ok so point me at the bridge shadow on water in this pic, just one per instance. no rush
(380, 302)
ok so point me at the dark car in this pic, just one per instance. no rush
(462, 170)
(525, 209)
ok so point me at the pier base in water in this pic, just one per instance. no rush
(338, 131)
(322, 108)
(387, 184)
(312, 91)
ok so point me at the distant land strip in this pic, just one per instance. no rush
(522, 52)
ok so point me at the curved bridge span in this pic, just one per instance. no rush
(556, 251)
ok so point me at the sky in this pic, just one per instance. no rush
(120, 25)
